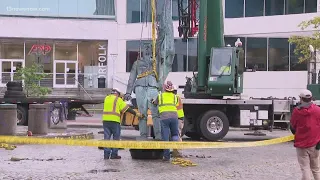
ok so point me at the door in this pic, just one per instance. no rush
(65, 74)
(8, 68)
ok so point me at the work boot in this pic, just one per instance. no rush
(115, 157)
(176, 154)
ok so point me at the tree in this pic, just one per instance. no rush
(303, 42)
(31, 77)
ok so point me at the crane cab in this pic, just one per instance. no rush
(225, 73)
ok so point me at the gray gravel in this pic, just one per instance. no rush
(263, 163)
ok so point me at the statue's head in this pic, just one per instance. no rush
(147, 50)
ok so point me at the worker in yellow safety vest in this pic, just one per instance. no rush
(225, 70)
(175, 152)
(113, 107)
(167, 106)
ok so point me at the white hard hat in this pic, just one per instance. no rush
(305, 94)
(116, 90)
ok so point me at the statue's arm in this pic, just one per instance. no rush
(132, 78)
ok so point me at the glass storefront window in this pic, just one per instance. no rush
(59, 8)
(256, 53)
(11, 49)
(89, 53)
(274, 7)
(254, 8)
(278, 54)
(65, 51)
(234, 8)
(40, 52)
(311, 6)
(294, 7)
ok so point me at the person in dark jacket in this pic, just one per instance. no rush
(305, 124)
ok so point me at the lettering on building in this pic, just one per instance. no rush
(102, 61)
(40, 49)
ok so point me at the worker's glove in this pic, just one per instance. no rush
(140, 115)
(127, 97)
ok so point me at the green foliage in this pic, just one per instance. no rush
(302, 42)
(31, 77)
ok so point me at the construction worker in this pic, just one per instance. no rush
(175, 152)
(113, 107)
(225, 70)
(167, 105)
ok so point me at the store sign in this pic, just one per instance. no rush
(39, 49)
(102, 61)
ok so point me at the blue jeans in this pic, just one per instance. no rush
(169, 126)
(111, 129)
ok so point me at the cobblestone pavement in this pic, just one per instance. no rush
(68, 162)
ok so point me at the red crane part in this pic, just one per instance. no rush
(194, 21)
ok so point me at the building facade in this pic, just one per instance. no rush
(101, 38)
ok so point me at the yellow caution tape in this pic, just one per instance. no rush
(140, 144)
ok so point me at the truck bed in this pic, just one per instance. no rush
(43, 100)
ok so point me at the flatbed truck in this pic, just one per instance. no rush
(63, 105)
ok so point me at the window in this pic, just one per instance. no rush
(257, 53)
(40, 52)
(145, 11)
(294, 6)
(88, 54)
(234, 8)
(59, 8)
(310, 6)
(221, 60)
(254, 8)
(11, 50)
(192, 54)
(133, 11)
(278, 54)
(274, 7)
(180, 58)
(295, 65)
(175, 15)
(65, 51)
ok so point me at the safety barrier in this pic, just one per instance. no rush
(141, 144)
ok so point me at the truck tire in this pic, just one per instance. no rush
(214, 125)
(22, 115)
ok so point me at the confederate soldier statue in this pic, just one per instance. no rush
(143, 83)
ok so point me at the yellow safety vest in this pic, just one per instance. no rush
(113, 107)
(167, 102)
(180, 108)
(225, 69)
